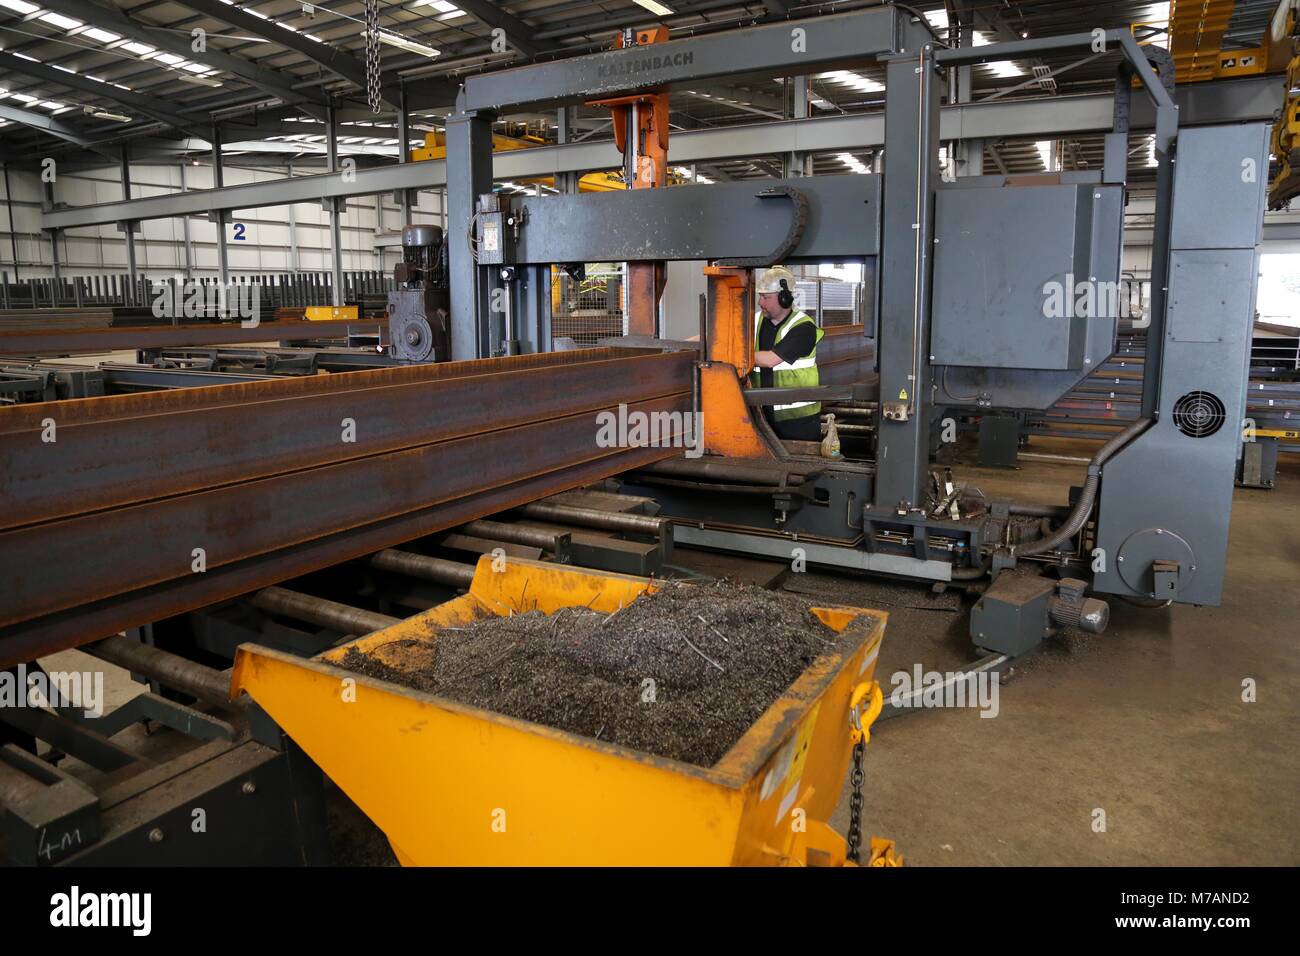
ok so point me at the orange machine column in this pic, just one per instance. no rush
(641, 135)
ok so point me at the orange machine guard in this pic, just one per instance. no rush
(728, 426)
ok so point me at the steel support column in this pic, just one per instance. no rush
(565, 182)
(911, 166)
(336, 206)
(469, 173)
(185, 232)
(218, 182)
(798, 162)
(54, 259)
(404, 152)
(128, 227)
(295, 261)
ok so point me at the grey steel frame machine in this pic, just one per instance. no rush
(963, 270)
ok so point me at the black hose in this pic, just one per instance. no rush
(1040, 511)
(1083, 507)
(970, 574)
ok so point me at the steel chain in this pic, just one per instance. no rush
(855, 803)
(372, 54)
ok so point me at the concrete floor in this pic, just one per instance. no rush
(1145, 722)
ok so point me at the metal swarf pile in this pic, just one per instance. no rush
(681, 673)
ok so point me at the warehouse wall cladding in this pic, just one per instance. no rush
(659, 437)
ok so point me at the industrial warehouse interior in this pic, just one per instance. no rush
(622, 433)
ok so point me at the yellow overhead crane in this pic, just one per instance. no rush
(1196, 32)
(435, 147)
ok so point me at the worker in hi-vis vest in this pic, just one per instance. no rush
(785, 355)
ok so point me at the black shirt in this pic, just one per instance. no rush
(798, 342)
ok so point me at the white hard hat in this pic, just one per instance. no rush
(769, 280)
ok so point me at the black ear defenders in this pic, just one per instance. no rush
(785, 298)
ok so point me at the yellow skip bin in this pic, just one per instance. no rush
(451, 784)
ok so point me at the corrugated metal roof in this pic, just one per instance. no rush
(102, 52)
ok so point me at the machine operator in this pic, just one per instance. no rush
(785, 355)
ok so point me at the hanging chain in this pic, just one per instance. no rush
(372, 53)
(855, 803)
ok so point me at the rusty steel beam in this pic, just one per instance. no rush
(161, 503)
(845, 356)
(55, 565)
(43, 635)
(93, 341)
(125, 449)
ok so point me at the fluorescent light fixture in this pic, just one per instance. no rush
(1001, 67)
(95, 113)
(51, 105)
(1045, 153)
(410, 46)
(1151, 154)
(196, 80)
(20, 6)
(65, 69)
(655, 7)
(103, 36)
(28, 98)
(851, 161)
(171, 59)
(446, 11)
(139, 49)
(699, 177)
(854, 80)
(59, 20)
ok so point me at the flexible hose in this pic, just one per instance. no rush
(1083, 507)
(1040, 511)
(970, 574)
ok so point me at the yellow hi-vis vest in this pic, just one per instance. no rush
(801, 373)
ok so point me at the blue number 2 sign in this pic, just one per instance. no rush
(239, 231)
